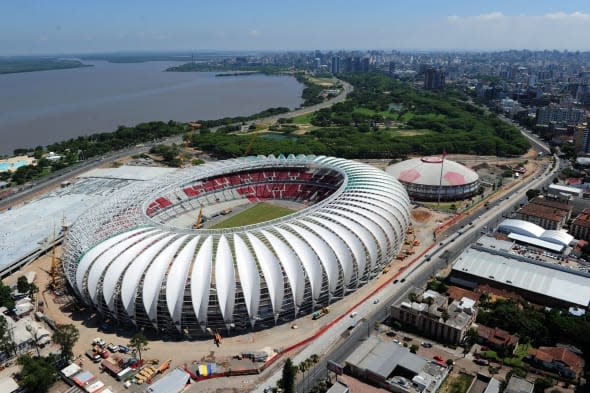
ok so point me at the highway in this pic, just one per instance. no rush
(336, 345)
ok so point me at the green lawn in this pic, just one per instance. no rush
(303, 119)
(457, 383)
(258, 213)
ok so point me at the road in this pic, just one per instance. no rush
(335, 345)
(534, 139)
(56, 178)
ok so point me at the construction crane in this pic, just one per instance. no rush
(250, 144)
(198, 224)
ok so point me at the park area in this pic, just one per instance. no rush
(258, 213)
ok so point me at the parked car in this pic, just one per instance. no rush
(376, 301)
(112, 347)
(93, 356)
(99, 341)
(426, 344)
(438, 359)
(482, 362)
(123, 348)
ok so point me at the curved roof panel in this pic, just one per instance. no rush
(521, 227)
(225, 279)
(201, 280)
(427, 171)
(133, 256)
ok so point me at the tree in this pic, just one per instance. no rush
(139, 342)
(66, 336)
(6, 342)
(412, 297)
(532, 193)
(445, 315)
(414, 348)
(5, 297)
(471, 337)
(37, 374)
(289, 372)
(542, 384)
(22, 284)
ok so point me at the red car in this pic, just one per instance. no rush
(438, 359)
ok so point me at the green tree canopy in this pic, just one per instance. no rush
(6, 342)
(66, 336)
(139, 342)
(289, 373)
(37, 374)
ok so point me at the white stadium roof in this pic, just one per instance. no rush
(555, 283)
(118, 254)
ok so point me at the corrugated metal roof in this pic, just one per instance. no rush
(554, 283)
(173, 382)
(536, 242)
(381, 358)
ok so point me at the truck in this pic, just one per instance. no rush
(320, 313)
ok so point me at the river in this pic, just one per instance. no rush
(39, 108)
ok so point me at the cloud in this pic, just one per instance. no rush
(496, 30)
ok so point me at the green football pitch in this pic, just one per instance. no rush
(258, 213)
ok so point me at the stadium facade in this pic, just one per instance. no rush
(434, 178)
(126, 259)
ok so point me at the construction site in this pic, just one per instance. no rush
(248, 353)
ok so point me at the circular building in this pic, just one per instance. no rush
(137, 257)
(429, 178)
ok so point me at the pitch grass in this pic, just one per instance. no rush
(258, 213)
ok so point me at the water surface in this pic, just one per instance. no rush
(39, 108)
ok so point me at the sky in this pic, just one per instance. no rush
(30, 27)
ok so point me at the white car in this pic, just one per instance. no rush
(99, 341)
(112, 347)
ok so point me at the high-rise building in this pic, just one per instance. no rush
(559, 115)
(434, 79)
(335, 65)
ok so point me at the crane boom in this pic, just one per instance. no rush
(198, 223)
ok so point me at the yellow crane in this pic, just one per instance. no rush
(250, 144)
(198, 224)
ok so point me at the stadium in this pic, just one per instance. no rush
(434, 178)
(184, 254)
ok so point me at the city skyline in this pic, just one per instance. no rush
(30, 28)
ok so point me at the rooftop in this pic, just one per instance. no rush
(381, 358)
(551, 203)
(583, 219)
(496, 336)
(519, 385)
(564, 355)
(570, 287)
(547, 213)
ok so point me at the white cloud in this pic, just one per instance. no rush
(496, 30)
